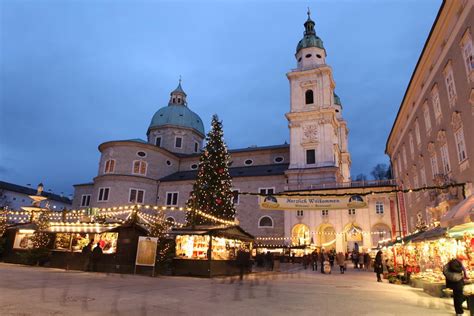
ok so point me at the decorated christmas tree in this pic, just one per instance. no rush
(3, 221)
(212, 191)
(40, 238)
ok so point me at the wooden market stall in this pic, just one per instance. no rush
(117, 241)
(208, 251)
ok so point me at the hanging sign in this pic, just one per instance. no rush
(271, 202)
(146, 251)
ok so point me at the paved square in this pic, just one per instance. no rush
(42, 291)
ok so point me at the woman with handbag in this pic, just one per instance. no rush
(455, 274)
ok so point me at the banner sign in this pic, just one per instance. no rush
(146, 251)
(403, 213)
(315, 202)
(393, 218)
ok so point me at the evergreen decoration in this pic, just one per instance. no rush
(40, 237)
(3, 222)
(165, 248)
(212, 191)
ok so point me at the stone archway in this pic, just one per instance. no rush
(353, 237)
(326, 236)
(300, 235)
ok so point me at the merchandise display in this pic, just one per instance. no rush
(197, 247)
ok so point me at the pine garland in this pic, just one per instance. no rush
(212, 191)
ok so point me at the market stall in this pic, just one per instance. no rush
(118, 243)
(209, 250)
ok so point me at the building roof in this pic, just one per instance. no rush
(413, 74)
(238, 150)
(251, 171)
(310, 39)
(177, 115)
(29, 191)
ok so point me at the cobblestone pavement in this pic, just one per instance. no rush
(42, 291)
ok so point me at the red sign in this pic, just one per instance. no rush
(403, 213)
(393, 218)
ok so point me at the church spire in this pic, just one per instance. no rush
(309, 25)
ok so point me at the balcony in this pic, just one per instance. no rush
(342, 185)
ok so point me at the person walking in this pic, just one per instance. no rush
(378, 265)
(361, 260)
(321, 260)
(355, 259)
(366, 261)
(95, 257)
(314, 260)
(243, 260)
(455, 274)
(331, 258)
(340, 260)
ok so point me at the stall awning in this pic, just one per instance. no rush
(459, 230)
(435, 233)
(86, 228)
(462, 213)
(231, 232)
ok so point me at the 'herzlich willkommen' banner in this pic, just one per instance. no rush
(271, 202)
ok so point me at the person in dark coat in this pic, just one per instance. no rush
(322, 258)
(314, 260)
(243, 260)
(95, 257)
(86, 254)
(455, 273)
(269, 260)
(378, 265)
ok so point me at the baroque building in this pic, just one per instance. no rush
(161, 170)
(431, 141)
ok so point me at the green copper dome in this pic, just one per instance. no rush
(337, 100)
(310, 38)
(177, 113)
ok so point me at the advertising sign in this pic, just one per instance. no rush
(146, 251)
(285, 202)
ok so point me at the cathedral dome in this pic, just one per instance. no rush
(177, 113)
(310, 38)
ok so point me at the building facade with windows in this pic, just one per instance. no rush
(161, 170)
(431, 141)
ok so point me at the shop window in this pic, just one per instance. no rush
(379, 208)
(299, 213)
(136, 196)
(109, 166)
(158, 141)
(310, 157)
(139, 167)
(265, 222)
(85, 200)
(171, 198)
(178, 142)
(103, 194)
(460, 145)
(309, 97)
(235, 194)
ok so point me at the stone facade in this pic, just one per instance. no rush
(431, 140)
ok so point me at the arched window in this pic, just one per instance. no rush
(309, 97)
(265, 222)
(139, 167)
(170, 219)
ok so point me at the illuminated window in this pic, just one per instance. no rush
(109, 166)
(139, 167)
(136, 196)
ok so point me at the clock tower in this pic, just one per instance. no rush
(318, 133)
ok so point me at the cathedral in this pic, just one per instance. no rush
(161, 169)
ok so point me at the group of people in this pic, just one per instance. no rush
(361, 260)
(91, 256)
(326, 260)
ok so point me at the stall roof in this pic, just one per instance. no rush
(222, 231)
(81, 228)
(462, 213)
(433, 233)
(459, 230)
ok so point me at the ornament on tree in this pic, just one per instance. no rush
(218, 201)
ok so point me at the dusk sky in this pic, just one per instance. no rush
(75, 74)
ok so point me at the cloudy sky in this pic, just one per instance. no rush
(77, 73)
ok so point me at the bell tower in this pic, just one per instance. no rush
(318, 133)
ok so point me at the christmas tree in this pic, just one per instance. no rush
(3, 221)
(40, 238)
(212, 191)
